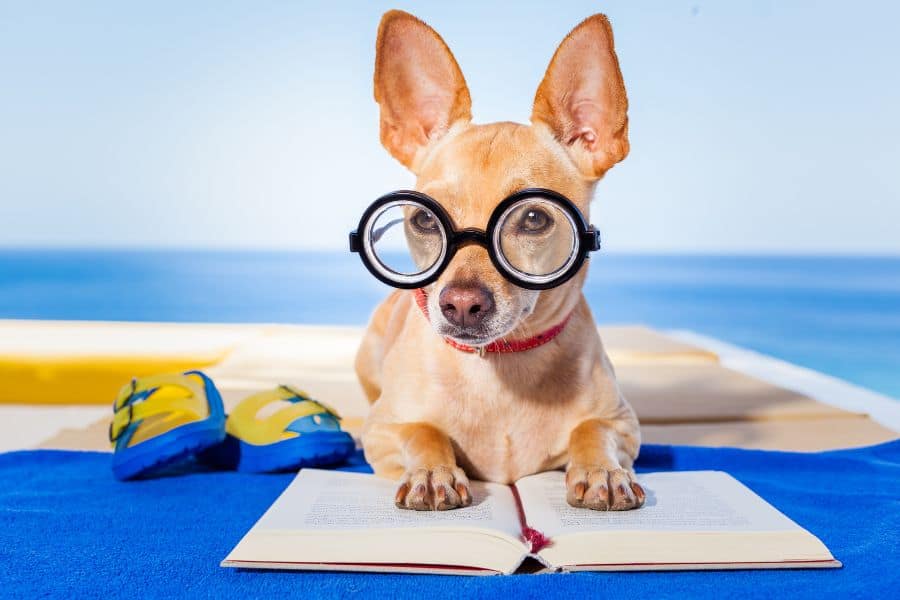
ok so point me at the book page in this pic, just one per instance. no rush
(695, 501)
(318, 500)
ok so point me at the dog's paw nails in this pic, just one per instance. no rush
(400, 496)
(601, 489)
(597, 497)
(623, 496)
(445, 499)
(419, 498)
(576, 485)
(439, 488)
(580, 489)
(464, 496)
(639, 493)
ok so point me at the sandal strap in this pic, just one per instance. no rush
(151, 382)
(244, 424)
(138, 401)
(297, 395)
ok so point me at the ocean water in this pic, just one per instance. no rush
(839, 315)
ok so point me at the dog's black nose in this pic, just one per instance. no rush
(465, 306)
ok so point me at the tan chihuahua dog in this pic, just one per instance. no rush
(441, 414)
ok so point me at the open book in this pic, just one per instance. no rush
(329, 520)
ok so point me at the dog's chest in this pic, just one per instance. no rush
(501, 436)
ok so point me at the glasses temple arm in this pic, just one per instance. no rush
(375, 236)
(591, 238)
(377, 233)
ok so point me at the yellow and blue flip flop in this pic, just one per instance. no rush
(161, 419)
(280, 430)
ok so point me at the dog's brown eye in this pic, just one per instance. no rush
(424, 221)
(535, 220)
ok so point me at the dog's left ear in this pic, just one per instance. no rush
(582, 98)
(418, 86)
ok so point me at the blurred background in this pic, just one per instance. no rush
(204, 161)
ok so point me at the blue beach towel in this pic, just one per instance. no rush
(68, 529)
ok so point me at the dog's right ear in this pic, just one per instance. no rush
(418, 86)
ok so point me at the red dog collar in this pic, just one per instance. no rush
(498, 345)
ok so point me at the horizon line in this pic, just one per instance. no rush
(239, 249)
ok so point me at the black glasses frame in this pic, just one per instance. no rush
(587, 238)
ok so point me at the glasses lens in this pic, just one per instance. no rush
(405, 239)
(537, 238)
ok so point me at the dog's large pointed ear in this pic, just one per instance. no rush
(582, 98)
(418, 86)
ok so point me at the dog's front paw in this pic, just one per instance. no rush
(602, 489)
(439, 488)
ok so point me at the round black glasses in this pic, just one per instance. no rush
(536, 238)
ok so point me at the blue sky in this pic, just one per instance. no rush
(755, 126)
